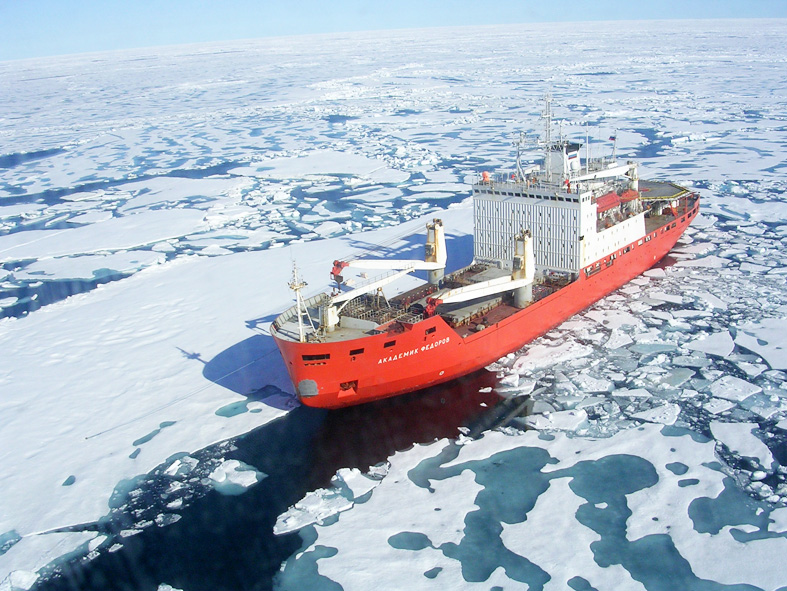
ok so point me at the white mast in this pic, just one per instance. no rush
(587, 149)
(615, 146)
(520, 175)
(547, 115)
(296, 285)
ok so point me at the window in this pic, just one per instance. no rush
(389, 344)
(316, 357)
(431, 330)
(356, 351)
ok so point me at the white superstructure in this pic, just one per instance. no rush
(572, 208)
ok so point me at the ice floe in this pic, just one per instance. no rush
(738, 438)
(233, 477)
(667, 514)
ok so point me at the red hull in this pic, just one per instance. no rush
(395, 363)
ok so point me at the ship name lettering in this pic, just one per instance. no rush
(442, 341)
(401, 355)
(415, 351)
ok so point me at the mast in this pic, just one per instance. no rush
(547, 115)
(614, 139)
(587, 149)
(520, 175)
(296, 284)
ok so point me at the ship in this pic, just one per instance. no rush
(550, 239)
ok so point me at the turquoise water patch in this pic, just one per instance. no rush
(121, 492)
(408, 540)
(69, 481)
(580, 584)
(481, 550)
(675, 431)
(303, 573)
(7, 540)
(604, 483)
(652, 560)
(732, 507)
(146, 438)
(677, 468)
(152, 434)
(683, 483)
(269, 395)
(233, 409)
(433, 572)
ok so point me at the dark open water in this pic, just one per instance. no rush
(227, 542)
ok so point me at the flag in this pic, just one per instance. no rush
(612, 138)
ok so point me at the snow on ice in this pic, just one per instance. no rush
(658, 418)
(629, 504)
(233, 477)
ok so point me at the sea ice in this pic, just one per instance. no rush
(356, 482)
(717, 406)
(631, 393)
(719, 344)
(563, 420)
(89, 266)
(595, 479)
(542, 355)
(671, 298)
(233, 477)
(115, 234)
(740, 439)
(18, 580)
(93, 344)
(752, 268)
(665, 414)
(324, 162)
(315, 507)
(590, 384)
(710, 262)
(712, 301)
(617, 339)
(613, 319)
(733, 388)
(767, 338)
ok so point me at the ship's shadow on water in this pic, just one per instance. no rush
(227, 542)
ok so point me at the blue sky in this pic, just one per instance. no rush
(35, 28)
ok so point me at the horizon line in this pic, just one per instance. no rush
(228, 40)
